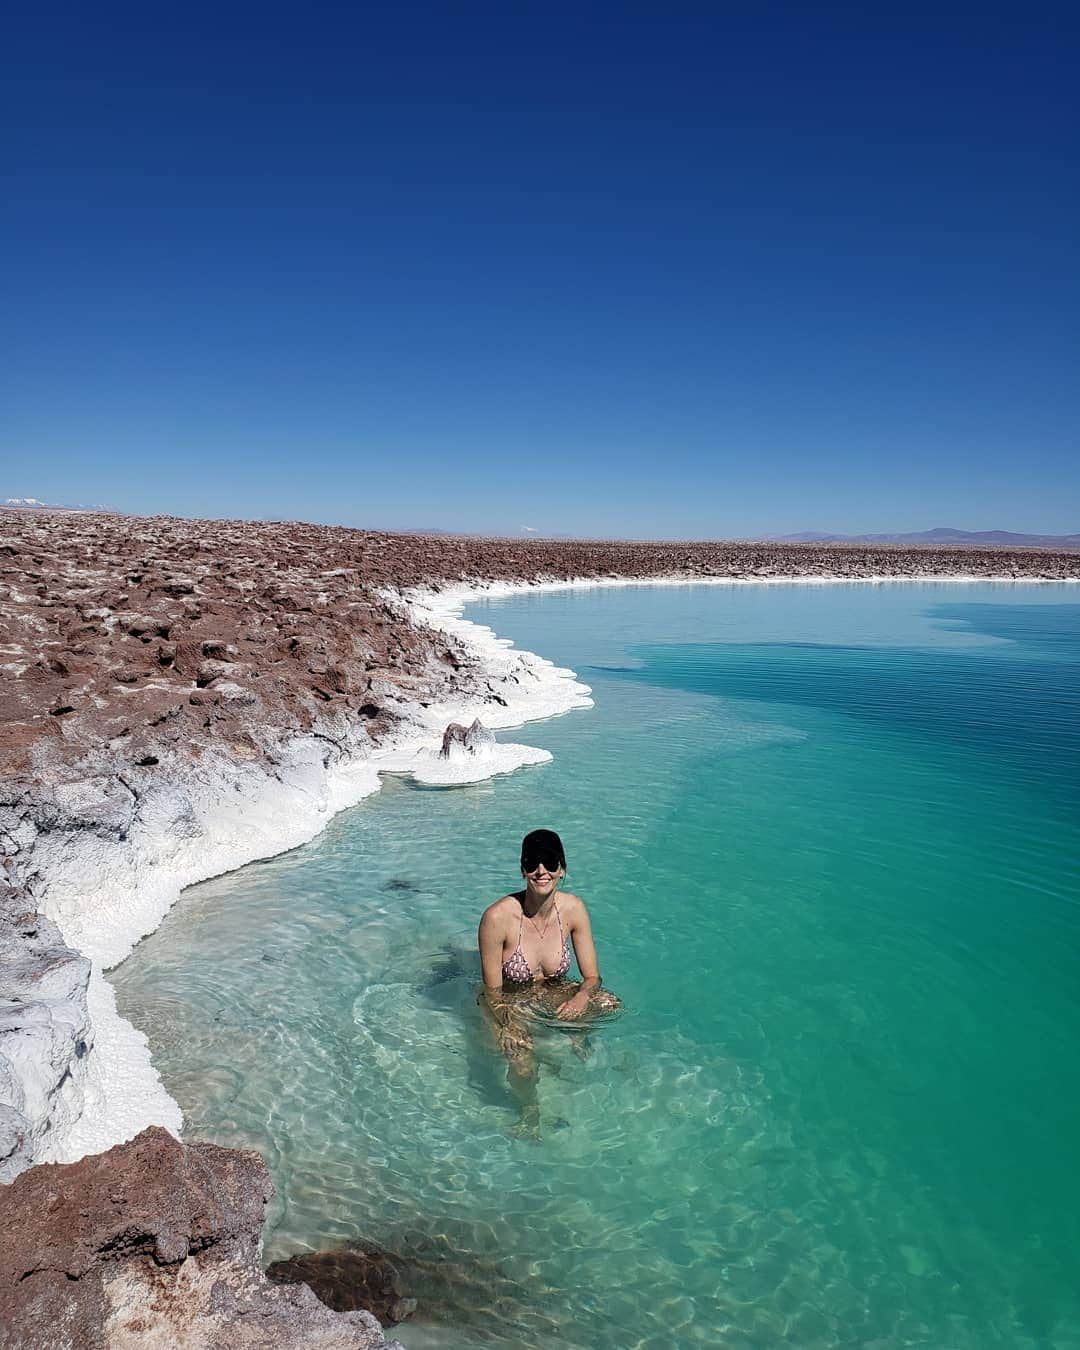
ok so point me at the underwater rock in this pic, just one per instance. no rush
(360, 1277)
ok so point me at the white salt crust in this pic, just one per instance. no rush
(105, 892)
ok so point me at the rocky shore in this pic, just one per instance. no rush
(155, 1244)
(180, 697)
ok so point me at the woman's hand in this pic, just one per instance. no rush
(515, 1041)
(573, 1007)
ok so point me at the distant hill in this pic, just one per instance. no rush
(941, 535)
(36, 504)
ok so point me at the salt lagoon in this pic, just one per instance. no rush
(829, 838)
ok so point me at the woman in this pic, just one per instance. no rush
(525, 954)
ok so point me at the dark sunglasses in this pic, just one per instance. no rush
(531, 862)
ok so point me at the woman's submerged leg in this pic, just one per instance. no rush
(515, 1043)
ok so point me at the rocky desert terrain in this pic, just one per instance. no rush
(127, 633)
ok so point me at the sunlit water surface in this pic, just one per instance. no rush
(830, 841)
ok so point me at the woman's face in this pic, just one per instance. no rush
(542, 881)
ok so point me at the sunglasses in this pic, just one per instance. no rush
(535, 860)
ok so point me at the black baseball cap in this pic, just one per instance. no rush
(542, 846)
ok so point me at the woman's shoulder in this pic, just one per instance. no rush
(507, 906)
(571, 903)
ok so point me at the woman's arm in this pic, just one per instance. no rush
(585, 951)
(511, 1031)
(490, 940)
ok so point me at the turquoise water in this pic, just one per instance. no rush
(829, 838)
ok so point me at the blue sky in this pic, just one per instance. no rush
(653, 271)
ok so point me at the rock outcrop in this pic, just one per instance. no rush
(151, 1245)
(45, 1031)
(470, 740)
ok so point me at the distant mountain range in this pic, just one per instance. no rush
(942, 535)
(35, 504)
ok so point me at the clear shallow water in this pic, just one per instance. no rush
(830, 841)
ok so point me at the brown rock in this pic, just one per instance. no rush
(153, 1244)
(139, 624)
(219, 651)
(177, 586)
(208, 671)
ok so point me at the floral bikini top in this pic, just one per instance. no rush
(518, 971)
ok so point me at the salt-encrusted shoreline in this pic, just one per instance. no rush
(106, 894)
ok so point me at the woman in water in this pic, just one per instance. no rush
(525, 954)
